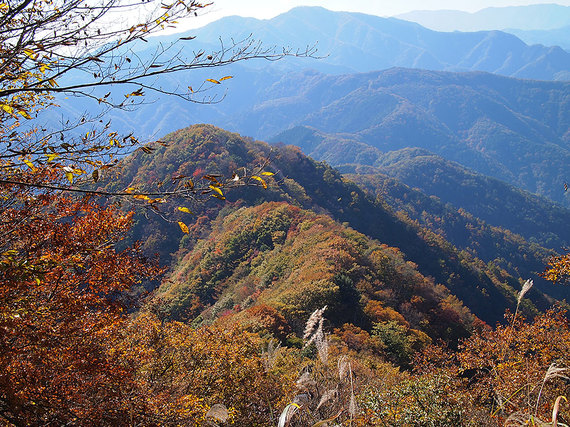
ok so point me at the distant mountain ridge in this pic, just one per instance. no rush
(531, 17)
(497, 203)
(484, 287)
(354, 42)
(513, 130)
(557, 37)
(348, 42)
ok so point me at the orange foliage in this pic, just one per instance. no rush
(210, 365)
(559, 269)
(378, 313)
(264, 318)
(507, 366)
(358, 339)
(62, 305)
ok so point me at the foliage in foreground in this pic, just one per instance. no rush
(70, 353)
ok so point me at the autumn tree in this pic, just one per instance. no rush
(559, 269)
(519, 368)
(88, 49)
(64, 285)
(62, 304)
(184, 372)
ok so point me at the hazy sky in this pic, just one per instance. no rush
(269, 8)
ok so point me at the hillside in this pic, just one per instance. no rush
(489, 199)
(513, 130)
(296, 261)
(484, 289)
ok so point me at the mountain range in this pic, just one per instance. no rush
(353, 42)
(346, 42)
(530, 17)
(513, 130)
(210, 264)
(447, 182)
(557, 37)
(434, 164)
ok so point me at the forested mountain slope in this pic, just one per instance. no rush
(484, 289)
(295, 261)
(496, 202)
(514, 130)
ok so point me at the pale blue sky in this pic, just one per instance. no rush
(264, 9)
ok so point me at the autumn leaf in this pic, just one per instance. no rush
(210, 178)
(7, 108)
(184, 209)
(217, 190)
(183, 227)
(260, 180)
(51, 157)
(29, 164)
(24, 114)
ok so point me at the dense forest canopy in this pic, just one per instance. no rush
(211, 279)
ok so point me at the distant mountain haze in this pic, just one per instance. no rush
(557, 37)
(347, 42)
(354, 42)
(532, 17)
(514, 130)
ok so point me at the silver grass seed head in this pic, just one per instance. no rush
(343, 366)
(555, 371)
(313, 322)
(219, 412)
(526, 287)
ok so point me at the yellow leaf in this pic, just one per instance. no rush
(186, 210)
(130, 190)
(141, 197)
(213, 81)
(69, 176)
(217, 190)
(24, 114)
(51, 157)
(30, 164)
(226, 78)
(267, 173)
(7, 108)
(183, 227)
(30, 53)
(260, 180)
